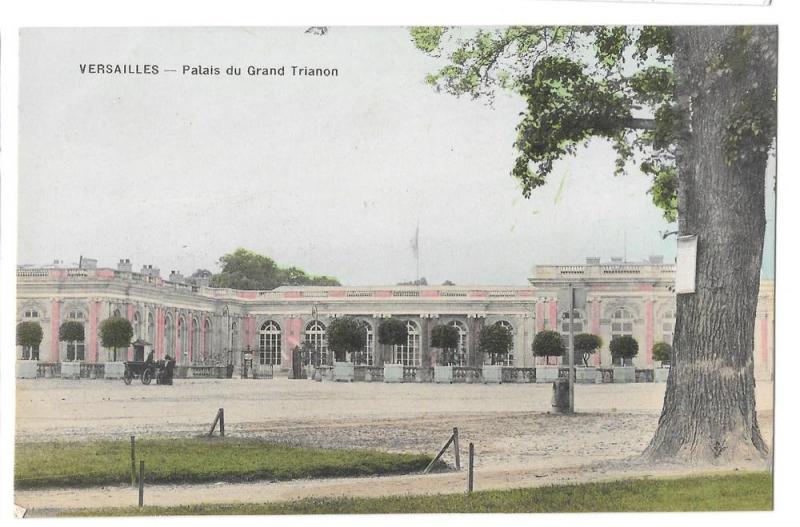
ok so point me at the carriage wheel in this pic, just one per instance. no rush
(146, 377)
(128, 377)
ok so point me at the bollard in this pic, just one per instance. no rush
(560, 399)
(222, 422)
(141, 483)
(133, 460)
(471, 468)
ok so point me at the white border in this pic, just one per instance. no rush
(54, 13)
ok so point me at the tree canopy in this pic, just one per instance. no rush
(548, 344)
(392, 332)
(244, 269)
(623, 347)
(446, 339)
(586, 344)
(29, 333)
(116, 332)
(662, 352)
(346, 335)
(495, 341)
(71, 331)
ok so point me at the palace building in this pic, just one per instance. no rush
(198, 324)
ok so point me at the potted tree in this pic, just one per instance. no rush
(29, 336)
(346, 335)
(445, 338)
(494, 342)
(547, 344)
(72, 333)
(585, 345)
(392, 332)
(623, 349)
(662, 352)
(115, 332)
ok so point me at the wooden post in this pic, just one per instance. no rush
(471, 467)
(442, 451)
(222, 422)
(214, 424)
(133, 460)
(141, 483)
(455, 448)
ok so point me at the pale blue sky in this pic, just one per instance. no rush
(331, 175)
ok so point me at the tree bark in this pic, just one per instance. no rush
(709, 412)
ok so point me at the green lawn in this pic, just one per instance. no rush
(196, 460)
(733, 492)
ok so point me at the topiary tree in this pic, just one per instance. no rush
(116, 332)
(346, 335)
(495, 341)
(548, 344)
(71, 331)
(446, 339)
(29, 336)
(392, 332)
(586, 344)
(662, 352)
(623, 347)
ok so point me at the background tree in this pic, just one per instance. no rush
(585, 345)
(346, 335)
(29, 336)
(548, 344)
(419, 281)
(244, 269)
(445, 338)
(392, 332)
(711, 92)
(495, 341)
(623, 347)
(115, 332)
(71, 331)
(662, 352)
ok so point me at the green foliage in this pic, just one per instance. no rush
(445, 338)
(346, 335)
(71, 331)
(495, 341)
(187, 461)
(724, 492)
(392, 332)
(244, 269)
(586, 344)
(116, 332)
(623, 347)
(548, 344)
(29, 333)
(662, 352)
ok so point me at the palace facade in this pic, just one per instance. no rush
(201, 325)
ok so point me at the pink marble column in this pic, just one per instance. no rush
(649, 324)
(554, 315)
(539, 317)
(177, 340)
(55, 322)
(190, 336)
(130, 319)
(159, 333)
(94, 310)
(204, 353)
(595, 321)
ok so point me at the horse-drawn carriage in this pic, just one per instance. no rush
(162, 370)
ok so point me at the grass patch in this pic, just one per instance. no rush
(196, 460)
(734, 492)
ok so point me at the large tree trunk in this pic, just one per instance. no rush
(709, 412)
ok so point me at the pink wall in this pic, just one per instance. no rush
(649, 324)
(92, 352)
(539, 317)
(55, 321)
(554, 315)
(596, 328)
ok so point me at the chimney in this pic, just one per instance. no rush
(175, 276)
(124, 265)
(149, 270)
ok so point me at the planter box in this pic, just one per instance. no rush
(586, 375)
(492, 374)
(392, 373)
(114, 370)
(661, 374)
(27, 369)
(623, 374)
(443, 374)
(260, 371)
(70, 370)
(546, 373)
(343, 371)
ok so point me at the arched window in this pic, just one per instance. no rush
(137, 326)
(369, 345)
(509, 358)
(234, 337)
(30, 313)
(195, 339)
(408, 354)
(269, 348)
(668, 326)
(207, 339)
(460, 358)
(315, 335)
(75, 348)
(169, 330)
(183, 336)
(621, 323)
(151, 329)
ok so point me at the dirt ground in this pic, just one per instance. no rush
(517, 443)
